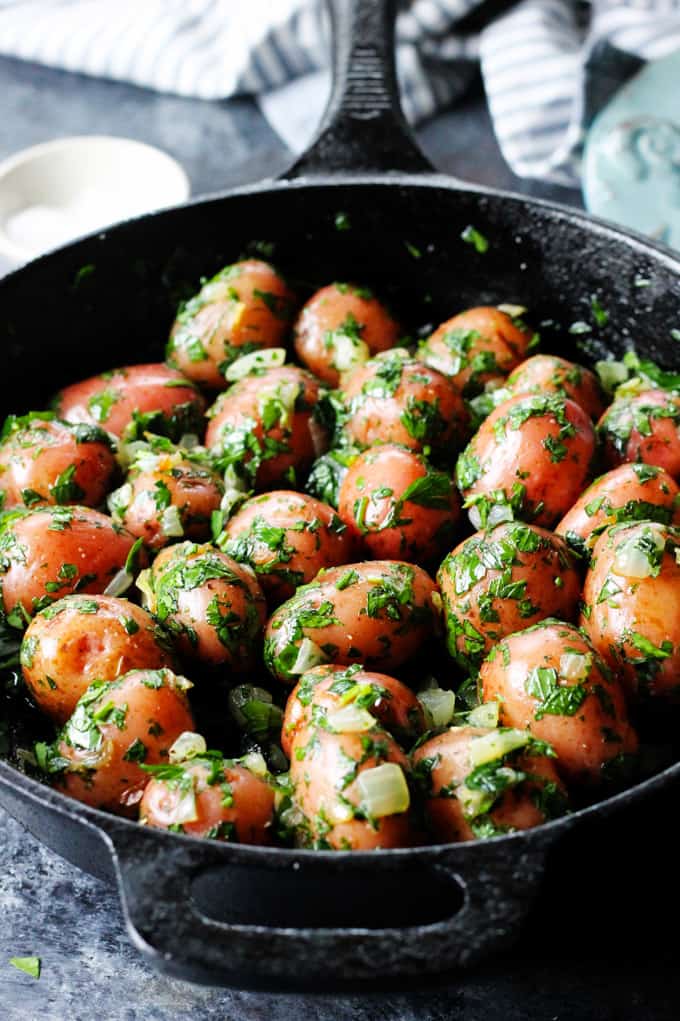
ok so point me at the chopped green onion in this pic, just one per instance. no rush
(255, 762)
(383, 790)
(143, 583)
(514, 311)
(611, 374)
(119, 584)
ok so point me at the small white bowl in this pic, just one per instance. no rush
(57, 191)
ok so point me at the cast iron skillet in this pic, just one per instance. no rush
(274, 918)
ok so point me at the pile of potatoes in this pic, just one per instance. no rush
(288, 544)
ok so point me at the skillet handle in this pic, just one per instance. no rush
(223, 915)
(363, 128)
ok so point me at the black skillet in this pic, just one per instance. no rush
(268, 917)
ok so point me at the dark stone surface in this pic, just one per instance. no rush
(595, 947)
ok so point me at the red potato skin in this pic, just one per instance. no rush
(550, 374)
(398, 711)
(538, 570)
(302, 436)
(196, 492)
(380, 642)
(378, 418)
(141, 388)
(90, 542)
(251, 813)
(34, 458)
(117, 784)
(649, 607)
(619, 488)
(515, 810)
(497, 336)
(241, 596)
(325, 312)
(520, 457)
(661, 448)
(239, 317)
(319, 761)
(423, 531)
(64, 650)
(320, 547)
(584, 742)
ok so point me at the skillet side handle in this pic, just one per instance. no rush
(480, 900)
(363, 128)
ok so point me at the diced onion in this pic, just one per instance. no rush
(632, 562)
(340, 811)
(269, 358)
(384, 790)
(185, 810)
(127, 452)
(309, 655)
(474, 802)
(119, 584)
(144, 586)
(611, 374)
(351, 719)
(171, 522)
(254, 761)
(187, 746)
(216, 290)
(349, 353)
(512, 310)
(574, 666)
(188, 441)
(495, 745)
(485, 715)
(439, 704)
(499, 512)
(119, 500)
(285, 394)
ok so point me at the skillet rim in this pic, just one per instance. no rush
(108, 823)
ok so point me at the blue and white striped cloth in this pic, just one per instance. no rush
(533, 58)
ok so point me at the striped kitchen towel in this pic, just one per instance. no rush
(536, 57)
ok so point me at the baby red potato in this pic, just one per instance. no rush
(480, 783)
(498, 582)
(377, 613)
(549, 374)
(244, 308)
(476, 347)
(644, 428)
(264, 427)
(530, 459)
(351, 786)
(118, 727)
(50, 552)
(43, 460)
(394, 706)
(395, 399)
(399, 507)
(166, 496)
(209, 796)
(631, 492)
(131, 401)
(211, 604)
(339, 328)
(82, 639)
(287, 538)
(550, 681)
(631, 606)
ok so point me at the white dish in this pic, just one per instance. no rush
(54, 192)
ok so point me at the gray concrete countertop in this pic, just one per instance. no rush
(592, 951)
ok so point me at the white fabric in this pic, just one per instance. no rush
(532, 58)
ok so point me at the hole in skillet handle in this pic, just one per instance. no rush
(266, 919)
(363, 128)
